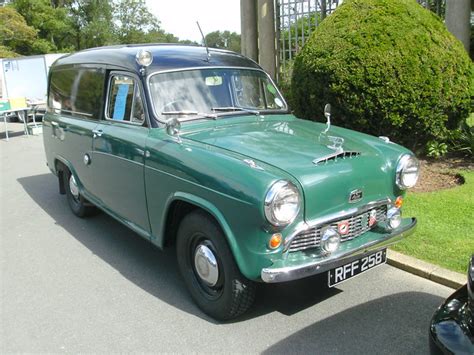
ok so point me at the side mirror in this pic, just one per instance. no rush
(327, 111)
(173, 128)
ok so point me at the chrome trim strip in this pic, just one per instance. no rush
(331, 218)
(118, 157)
(61, 110)
(283, 274)
(147, 166)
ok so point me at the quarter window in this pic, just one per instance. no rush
(77, 92)
(125, 101)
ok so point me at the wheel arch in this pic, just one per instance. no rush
(182, 203)
(60, 163)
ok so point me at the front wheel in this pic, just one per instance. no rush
(209, 270)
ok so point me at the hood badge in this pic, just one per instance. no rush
(355, 196)
(252, 164)
(336, 143)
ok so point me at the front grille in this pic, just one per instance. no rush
(358, 225)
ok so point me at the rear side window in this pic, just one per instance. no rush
(125, 101)
(77, 92)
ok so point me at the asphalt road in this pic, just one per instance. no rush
(91, 285)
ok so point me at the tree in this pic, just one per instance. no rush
(53, 25)
(16, 37)
(157, 35)
(69, 25)
(93, 22)
(226, 39)
(135, 21)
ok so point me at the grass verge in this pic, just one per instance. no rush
(445, 234)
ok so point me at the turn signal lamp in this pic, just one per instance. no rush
(275, 241)
(399, 202)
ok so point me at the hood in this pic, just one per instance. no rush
(293, 145)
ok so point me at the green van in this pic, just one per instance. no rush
(199, 150)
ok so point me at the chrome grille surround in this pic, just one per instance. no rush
(358, 224)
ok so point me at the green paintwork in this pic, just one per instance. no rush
(119, 183)
(207, 170)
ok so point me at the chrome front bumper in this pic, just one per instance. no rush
(284, 273)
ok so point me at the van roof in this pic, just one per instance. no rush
(165, 57)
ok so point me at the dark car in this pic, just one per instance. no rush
(452, 326)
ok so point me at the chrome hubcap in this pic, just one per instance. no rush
(206, 266)
(73, 187)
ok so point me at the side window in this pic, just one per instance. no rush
(76, 92)
(89, 84)
(60, 85)
(125, 101)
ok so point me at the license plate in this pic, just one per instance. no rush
(345, 272)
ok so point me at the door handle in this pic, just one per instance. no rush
(97, 132)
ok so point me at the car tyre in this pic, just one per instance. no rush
(78, 204)
(202, 249)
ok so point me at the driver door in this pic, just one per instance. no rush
(119, 151)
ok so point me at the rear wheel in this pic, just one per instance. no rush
(209, 270)
(78, 204)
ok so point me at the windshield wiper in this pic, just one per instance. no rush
(190, 113)
(233, 108)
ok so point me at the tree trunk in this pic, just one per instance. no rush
(458, 16)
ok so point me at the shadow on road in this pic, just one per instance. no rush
(395, 324)
(156, 271)
(11, 134)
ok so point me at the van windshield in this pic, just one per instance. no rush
(213, 92)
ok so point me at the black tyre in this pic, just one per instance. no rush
(209, 270)
(78, 204)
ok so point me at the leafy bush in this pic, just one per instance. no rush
(436, 149)
(462, 141)
(284, 81)
(388, 67)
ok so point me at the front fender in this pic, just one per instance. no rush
(206, 206)
(219, 182)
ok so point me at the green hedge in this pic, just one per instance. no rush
(388, 67)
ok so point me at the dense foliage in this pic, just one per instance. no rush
(224, 39)
(15, 34)
(388, 67)
(43, 26)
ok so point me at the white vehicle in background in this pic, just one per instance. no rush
(27, 77)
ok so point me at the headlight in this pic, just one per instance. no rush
(282, 203)
(408, 170)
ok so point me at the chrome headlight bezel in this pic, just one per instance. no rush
(407, 164)
(273, 195)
